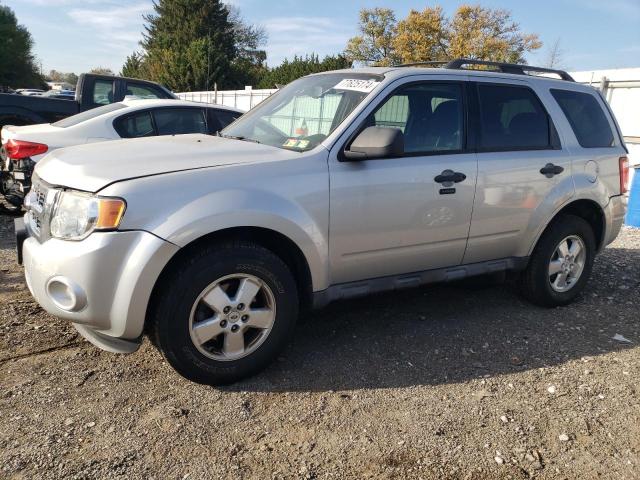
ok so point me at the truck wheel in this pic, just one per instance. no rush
(225, 313)
(561, 262)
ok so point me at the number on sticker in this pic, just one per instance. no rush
(357, 85)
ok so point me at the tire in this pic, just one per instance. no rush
(181, 306)
(536, 281)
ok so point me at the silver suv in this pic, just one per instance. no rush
(342, 184)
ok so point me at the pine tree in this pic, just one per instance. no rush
(289, 71)
(132, 67)
(189, 44)
(17, 62)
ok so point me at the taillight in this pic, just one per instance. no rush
(623, 162)
(18, 149)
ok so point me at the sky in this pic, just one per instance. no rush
(77, 35)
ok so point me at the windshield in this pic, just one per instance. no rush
(88, 115)
(305, 112)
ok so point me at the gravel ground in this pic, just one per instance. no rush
(443, 382)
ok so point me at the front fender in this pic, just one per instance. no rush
(290, 198)
(238, 208)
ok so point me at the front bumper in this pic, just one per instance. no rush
(102, 284)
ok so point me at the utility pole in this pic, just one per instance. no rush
(208, 58)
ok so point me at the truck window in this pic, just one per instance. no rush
(586, 118)
(102, 92)
(143, 91)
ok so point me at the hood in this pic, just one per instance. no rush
(94, 166)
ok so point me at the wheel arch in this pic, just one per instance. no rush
(588, 210)
(285, 248)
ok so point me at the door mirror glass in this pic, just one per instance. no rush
(376, 142)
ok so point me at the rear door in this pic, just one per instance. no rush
(391, 216)
(523, 173)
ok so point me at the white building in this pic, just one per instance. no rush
(61, 86)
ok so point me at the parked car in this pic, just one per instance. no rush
(61, 94)
(91, 91)
(22, 147)
(29, 92)
(342, 184)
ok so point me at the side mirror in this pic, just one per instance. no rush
(376, 142)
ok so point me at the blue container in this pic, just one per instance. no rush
(633, 210)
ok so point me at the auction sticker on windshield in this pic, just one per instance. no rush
(357, 85)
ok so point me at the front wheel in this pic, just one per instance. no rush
(225, 313)
(561, 263)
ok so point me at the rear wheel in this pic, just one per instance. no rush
(561, 262)
(226, 313)
(6, 207)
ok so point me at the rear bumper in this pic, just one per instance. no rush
(21, 235)
(614, 218)
(101, 284)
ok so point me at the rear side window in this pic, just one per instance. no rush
(586, 118)
(225, 117)
(135, 126)
(512, 118)
(178, 121)
(218, 119)
(102, 92)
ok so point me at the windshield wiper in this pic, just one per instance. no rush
(238, 137)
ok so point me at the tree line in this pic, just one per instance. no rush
(191, 45)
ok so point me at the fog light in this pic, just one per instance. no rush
(66, 295)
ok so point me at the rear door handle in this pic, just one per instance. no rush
(449, 176)
(549, 170)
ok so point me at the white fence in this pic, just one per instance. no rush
(243, 99)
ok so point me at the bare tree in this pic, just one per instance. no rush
(555, 55)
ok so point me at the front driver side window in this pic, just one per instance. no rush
(429, 114)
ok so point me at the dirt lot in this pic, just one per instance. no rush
(442, 382)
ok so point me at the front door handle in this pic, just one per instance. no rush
(449, 176)
(549, 170)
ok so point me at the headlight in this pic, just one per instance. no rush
(76, 215)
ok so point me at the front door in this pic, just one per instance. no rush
(406, 214)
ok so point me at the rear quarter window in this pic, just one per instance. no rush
(586, 117)
(135, 125)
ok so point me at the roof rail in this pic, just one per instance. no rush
(427, 64)
(515, 68)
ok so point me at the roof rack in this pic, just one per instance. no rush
(433, 63)
(515, 68)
